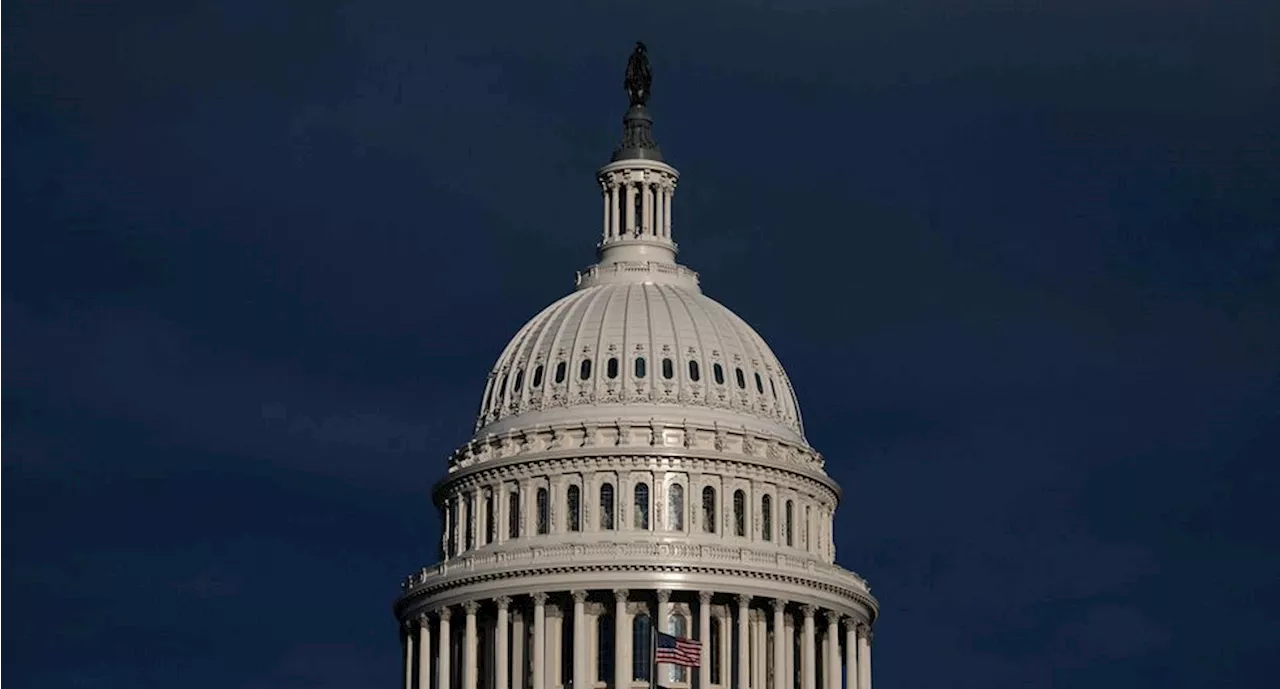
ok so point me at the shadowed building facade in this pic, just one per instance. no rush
(639, 460)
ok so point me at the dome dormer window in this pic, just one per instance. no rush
(611, 368)
(694, 374)
(584, 369)
(537, 377)
(668, 368)
(717, 371)
(641, 367)
(742, 380)
(560, 372)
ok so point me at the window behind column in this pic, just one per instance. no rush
(739, 514)
(641, 647)
(606, 507)
(678, 625)
(513, 514)
(766, 517)
(713, 649)
(709, 509)
(787, 525)
(604, 648)
(641, 507)
(675, 507)
(573, 498)
(543, 516)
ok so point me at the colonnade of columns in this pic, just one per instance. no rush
(621, 199)
(508, 644)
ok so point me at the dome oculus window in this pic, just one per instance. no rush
(560, 372)
(668, 369)
(694, 373)
(717, 371)
(584, 369)
(641, 367)
(742, 380)
(610, 368)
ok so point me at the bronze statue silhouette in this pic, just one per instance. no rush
(639, 79)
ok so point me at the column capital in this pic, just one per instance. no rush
(744, 600)
(445, 613)
(504, 602)
(864, 631)
(808, 610)
(579, 596)
(664, 595)
(539, 598)
(423, 620)
(471, 607)
(850, 624)
(620, 595)
(407, 625)
(833, 617)
(704, 597)
(779, 605)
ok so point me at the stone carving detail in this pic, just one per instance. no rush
(721, 439)
(748, 442)
(664, 596)
(655, 433)
(620, 595)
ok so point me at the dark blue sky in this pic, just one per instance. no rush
(1022, 264)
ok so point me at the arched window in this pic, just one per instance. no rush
(766, 518)
(677, 625)
(641, 367)
(469, 538)
(641, 647)
(544, 521)
(804, 535)
(606, 507)
(694, 374)
(675, 507)
(490, 519)
(742, 380)
(573, 503)
(604, 648)
(786, 524)
(513, 514)
(717, 371)
(610, 368)
(714, 649)
(668, 369)
(584, 369)
(709, 509)
(537, 376)
(759, 384)
(739, 514)
(641, 508)
(560, 367)
(519, 381)
(453, 527)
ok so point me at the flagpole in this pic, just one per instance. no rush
(653, 657)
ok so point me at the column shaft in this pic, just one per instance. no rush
(469, 661)
(646, 209)
(864, 660)
(444, 677)
(621, 658)
(580, 639)
(832, 654)
(607, 196)
(744, 642)
(424, 652)
(664, 615)
(809, 651)
(704, 636)
(519, 638)
(501, 658)
(538, 658)
(850, 656)
(666, 211)
(630, 210)
(779, 645)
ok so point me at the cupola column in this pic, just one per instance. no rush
(779, 644)
(443, 670)
(519, 638)
(580, 639)
(864, 657)
(469, 660)
(832, 653)
(501, 657)
(808, 649)
(704, 635)
(408, 654)
(621, 641)
(538, 658)
(744, 643)
(668, 191)
(424, 651)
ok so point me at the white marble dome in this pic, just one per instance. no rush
(639, 351)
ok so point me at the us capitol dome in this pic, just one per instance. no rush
(638, 463)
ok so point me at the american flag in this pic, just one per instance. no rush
(677, 650)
